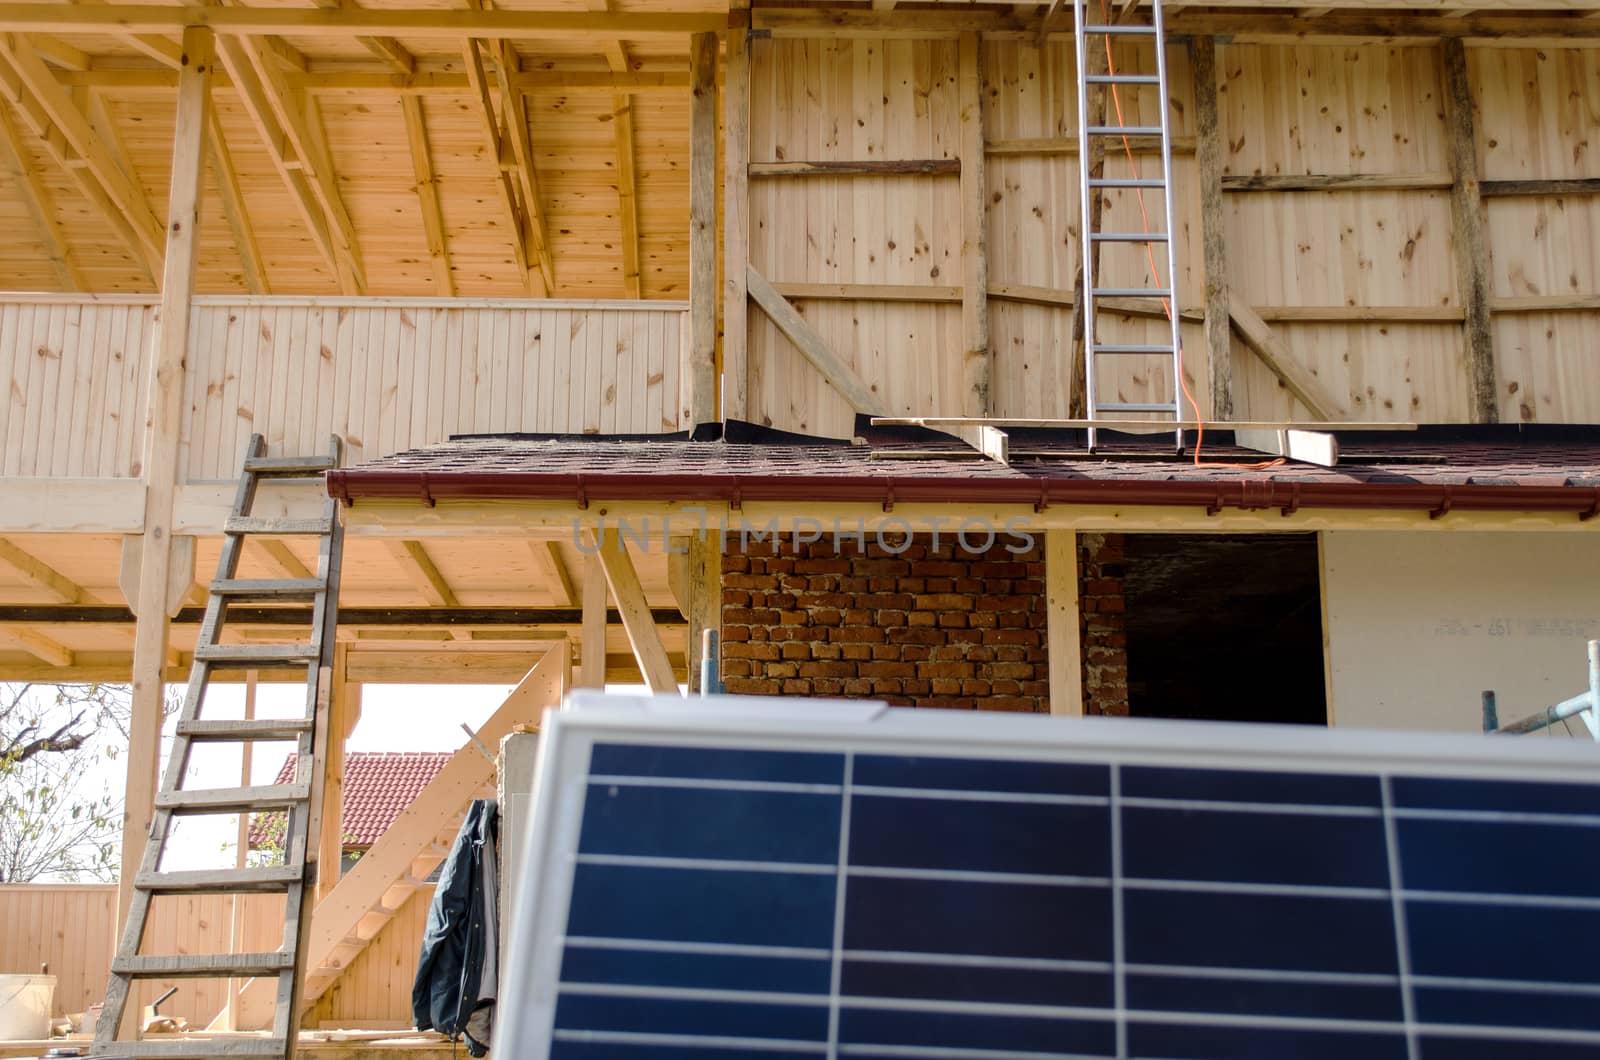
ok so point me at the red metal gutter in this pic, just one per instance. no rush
(1251, 495)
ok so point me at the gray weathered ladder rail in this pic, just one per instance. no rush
(1095, 23)
(300, 800)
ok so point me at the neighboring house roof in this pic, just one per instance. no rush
(1505, 468)
(377, 786)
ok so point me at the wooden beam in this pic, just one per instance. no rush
(38, 645)
(388, 50)
(36, 198)
(1304, 385)
(704, 585)
(43, 575)
(357, 80)
(344, 710)
(353, 22)
(281, 556)
(553, 572)
(1505, 189)
(253, 94)
(1335, 181)
(514, 115)
(699, 374)
(634, 611)
(53, 112)
(235, 211)
(872, 292)
(418, 567)
(1467, 224)
(1062, 632)
(627, 177)
(505, 184)
(170, 344)
(882, 167)
(1213, 227)
(976, 365)
(324, 183)
(592, 671)
(736, 222)
(840, 375)
(427, 184)
(1068, 145)
(1311, 447)
(1050, 296)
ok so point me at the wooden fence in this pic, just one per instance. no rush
(71, 926)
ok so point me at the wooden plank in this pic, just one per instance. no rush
(428, 195)
(704, 586)
(38, 645)
(797, 330)
(872, 292)
(1069, 145)
(1213, 227)
(235, 211)
(1275, 355)
(1357, 314)
(302, 117)
(736, 222)
(976, 363)
(592, 671)
(858, 168)
(1507, 189)
(1049, 296)
(350, 22)
(633, 609)
(1311, 447)
(1474, 287)
(700, 370)
(43, 576)
(171, 344)
(1062, 622)
(1235, 182)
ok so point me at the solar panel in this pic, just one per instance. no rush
(779, 879)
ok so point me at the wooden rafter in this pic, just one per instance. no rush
(504, 183)
(592, 670)
(48, 112)
(627, 179)
(418, 566)
(553, 572)
(279, 555)
(38, 645)
(514, 117)
(634, 611)
(798, 330)
(387, 49)
(428, 194)
(36, 197)
(234, 210)
(43, 575)
(245, 20)
(359, 80)
(1301, 381)
(352, 274)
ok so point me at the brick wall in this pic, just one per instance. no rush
(927, 626)
(1103, 624)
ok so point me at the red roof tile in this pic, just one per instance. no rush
(377, 786)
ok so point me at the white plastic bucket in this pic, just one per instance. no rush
(25, 1007)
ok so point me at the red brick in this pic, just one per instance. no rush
(915, 635)
(946, 687)
(952, 621)
(891, 618)
(886, 601)
(749, 581)
(735, 668)
(834, 600)
(1005, 688)
(1010, 654)
(735, 633)
(943, 602)
(735, 598)
(856, 634)
(972, 686)
(940, 585)
(824, 650)
(915, 688)
(887, 669)
(1011, 703)
(797, 686)
(886, 686)
(827, 686)
(806, 633)
(752, 686)
(796, 649)
(945, 669)
(1115, 605)
(880, 568)
(1010, 669)
(826, 618)
(922, 618)
(794, 618)
(1013, 636)
(822, 566)
(733, 563)
(858, 686)
(855, 652)
(782, 669)
(828, 669)
(941, 568)
(915, 652)
(912, 585)
(881, 652)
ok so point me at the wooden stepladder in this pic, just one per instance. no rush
(299, 801)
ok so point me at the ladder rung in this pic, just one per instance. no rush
(268, 588)
(289, 465)
(252, 524)
(1123, 79)
(234, 800)
(202, 966)
(221, 881)
(1124, 349)
(1132, 30)
(1102, 292)
(193, 1047)
(261, 654)
(1135, 406)
(1126, 182)
(1124, 130)
(1128, 237)
(240, 730)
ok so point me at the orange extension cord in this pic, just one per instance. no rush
(1149, 249)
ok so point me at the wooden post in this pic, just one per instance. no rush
(632, 608)
(344, 709)
(1061, 620)
(705, 598)
(170, 345)
(1213, 226)
(700, 375)
(592, 674)
(1467, 225)
(736, 221)
(975, 372)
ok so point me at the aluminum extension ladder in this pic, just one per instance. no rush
(299, 801)
(1092, 30)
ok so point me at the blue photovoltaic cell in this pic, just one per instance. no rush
(975, 907)
(718, 825)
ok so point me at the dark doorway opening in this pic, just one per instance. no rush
(1225, 628)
